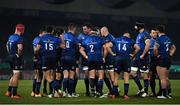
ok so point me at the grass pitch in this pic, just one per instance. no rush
(25, 88)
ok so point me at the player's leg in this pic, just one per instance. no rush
(8, 92)
(65, 82)
(144, 73)
(44, 81)
(38, 83)
(92, 74)
(108, 83)
(117, 70)
(127, 69)
(134, 69)
(77, 71)
(100, 79)
(17, 66)
(169, 90)
(14, 83)
(152, 75)
(152, 81)
(59, 79)
(84, 65)
(126, 85)
(162, 75)
(115, 91)
(34, 83)
(136, 80)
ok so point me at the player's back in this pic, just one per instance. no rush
(71, 43)
(141, 38)
(36, 41)
(93, 46)
(82, 36)
(12, 43)
(123, 46)
(164, 45)
(49, 44)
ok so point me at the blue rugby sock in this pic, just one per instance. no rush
(126, 88)
(65, 84)
(100, 86)
(146, 85)
(71, 85)
(138, 83)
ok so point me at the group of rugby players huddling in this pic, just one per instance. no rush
(59, 56)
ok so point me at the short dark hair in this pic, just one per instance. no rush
(160, 28)
(140, 24)
(42, 29)
(58, 31)
(71, 26)
(88, 25)
(49, 28)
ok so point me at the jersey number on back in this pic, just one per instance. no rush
(123, 47)
(91, 48)
(48, 46)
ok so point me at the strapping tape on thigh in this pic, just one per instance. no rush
(134, 69)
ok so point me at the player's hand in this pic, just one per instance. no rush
(142, 56)
(86, 57)
(113, 54)
(132, 56)
(104, 60)
(17, 55)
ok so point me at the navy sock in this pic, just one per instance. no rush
(75, 84)
(153, 85)
(160, 88)
(65, 84)
(92, 84)
(34, 85)
(44, 86)
(169, 89)
(56, 85)
(108, 83)
(14, 91)
(100, 87)
(38, 84)
(164, 91)
(71, 84)
(86, 81)
(126, 88)
(96, 83)
(115, 90)
(9, 88)
(60, 84)
(146, 85)
(138, 83)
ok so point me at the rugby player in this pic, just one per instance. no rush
(141, 60)
(15, 49)
(164, 50)
(92, 48)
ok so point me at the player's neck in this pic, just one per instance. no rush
(18, 33)
(160, 34)
(141, 30)
(71, 31)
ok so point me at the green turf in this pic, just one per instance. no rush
(26, 85)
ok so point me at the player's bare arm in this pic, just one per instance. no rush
(172, 50)
(146, 49)
(83, 53)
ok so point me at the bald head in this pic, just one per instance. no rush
(104, 31)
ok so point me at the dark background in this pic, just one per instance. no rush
(118, 15)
